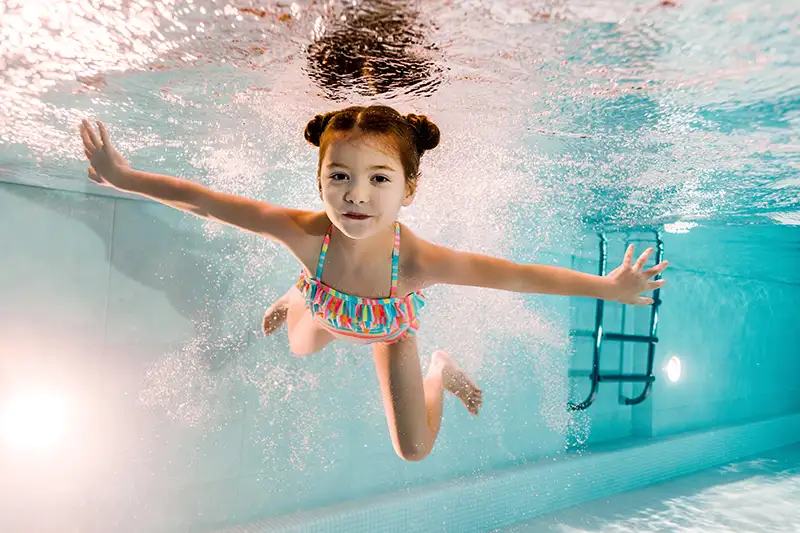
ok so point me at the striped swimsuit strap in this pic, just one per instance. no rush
(395, 257)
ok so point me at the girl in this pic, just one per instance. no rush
(358, 283)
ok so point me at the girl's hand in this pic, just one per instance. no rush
(108, 165)
(628, 280)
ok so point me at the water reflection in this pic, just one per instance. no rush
(372, 48)
(752, 496)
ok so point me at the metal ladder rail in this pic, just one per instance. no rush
(647, 378)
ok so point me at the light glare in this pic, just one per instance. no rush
(34, 420)
(673, 369)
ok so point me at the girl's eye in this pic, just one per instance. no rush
(339, 176)
(381, 179)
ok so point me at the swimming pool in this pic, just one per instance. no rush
(134, 329)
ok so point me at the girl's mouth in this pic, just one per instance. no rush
(356, 216)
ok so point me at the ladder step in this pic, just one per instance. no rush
(614, 336)
(632, 338)
(631, 378)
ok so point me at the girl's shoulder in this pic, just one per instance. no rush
(315, 223)
(430, 264)
(416, 255)
(312, 227)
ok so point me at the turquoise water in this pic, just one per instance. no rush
(559, 121)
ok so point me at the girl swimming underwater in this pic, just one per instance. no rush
(363, 272)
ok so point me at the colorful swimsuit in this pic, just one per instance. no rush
(366, 320)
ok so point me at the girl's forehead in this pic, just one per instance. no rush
(372, 147)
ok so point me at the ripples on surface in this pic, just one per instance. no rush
(627, 112)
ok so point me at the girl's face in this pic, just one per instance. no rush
(363, 185)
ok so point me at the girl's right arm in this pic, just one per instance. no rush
(111, 169)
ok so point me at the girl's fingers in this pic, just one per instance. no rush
(92, 135)
(656, 284)
(87, 141)
(656, 270)
(103, 133)
(628, 255)
(93, 175)
(642, 259)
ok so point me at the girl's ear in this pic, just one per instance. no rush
(411, 190)
(410, 193)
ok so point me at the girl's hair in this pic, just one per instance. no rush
(412, 134)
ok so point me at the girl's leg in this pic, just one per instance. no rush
(413, 404)
(305, 335)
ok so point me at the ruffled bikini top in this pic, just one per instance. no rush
(366, 320)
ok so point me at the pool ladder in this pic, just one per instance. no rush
(599, 335)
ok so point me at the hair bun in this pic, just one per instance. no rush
(426, 132)
(316, 127)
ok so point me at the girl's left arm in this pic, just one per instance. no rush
(624, 284)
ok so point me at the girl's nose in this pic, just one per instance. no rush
(357, 193)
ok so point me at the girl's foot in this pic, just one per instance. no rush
(276, 315)
(458, 382)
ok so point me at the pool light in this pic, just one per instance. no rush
(673, 368)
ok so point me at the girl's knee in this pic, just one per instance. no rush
(414, 457)
(412, 453)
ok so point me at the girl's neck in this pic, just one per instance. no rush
(357, 250)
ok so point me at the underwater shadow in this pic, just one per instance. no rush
(183, 273)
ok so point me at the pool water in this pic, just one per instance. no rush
(562, 123)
